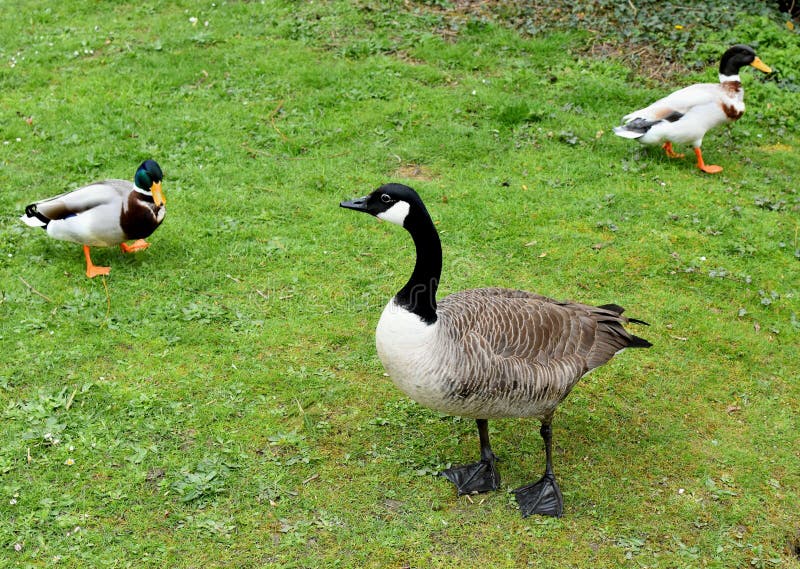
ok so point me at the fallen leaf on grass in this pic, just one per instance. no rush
(777, 147)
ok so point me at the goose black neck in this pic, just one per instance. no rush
(419, 293)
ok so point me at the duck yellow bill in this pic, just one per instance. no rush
(158, 195)
(761, 66)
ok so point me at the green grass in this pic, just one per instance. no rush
(220, 394)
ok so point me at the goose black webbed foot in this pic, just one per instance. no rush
(481, 476)
(542, 497)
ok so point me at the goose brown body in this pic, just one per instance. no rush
(523, 352)
(498, 352)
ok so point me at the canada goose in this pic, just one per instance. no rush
(104, 214)
(486, 353)
(686, 115)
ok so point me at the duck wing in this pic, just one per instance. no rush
(677, 104)
(107, 193)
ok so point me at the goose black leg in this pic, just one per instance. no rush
(543, 496)
(479, 476)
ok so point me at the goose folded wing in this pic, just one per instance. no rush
(508, 324)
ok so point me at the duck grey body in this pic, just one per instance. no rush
(103, 214)
(486, 353)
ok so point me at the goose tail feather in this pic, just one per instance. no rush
(631, 341)
(637, 342)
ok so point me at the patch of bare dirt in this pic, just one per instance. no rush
(645, 61)
(413, 171)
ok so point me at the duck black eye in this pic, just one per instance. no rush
(386, 198)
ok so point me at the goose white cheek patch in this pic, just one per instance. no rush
(396, 214)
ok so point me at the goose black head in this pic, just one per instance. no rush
(396, 203)
(401, 205)
(737, 57)
(148, 178)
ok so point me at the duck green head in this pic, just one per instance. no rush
(148, 178)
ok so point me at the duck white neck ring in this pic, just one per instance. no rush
(728, 78)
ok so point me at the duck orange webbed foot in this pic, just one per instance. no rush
(93, 270)
(670, 152)
(138, 245)
(707, 168)
(710, 168)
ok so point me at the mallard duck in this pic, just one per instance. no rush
(487, 353)
(104, 214)
(686, 115)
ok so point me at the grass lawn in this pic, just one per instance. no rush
(217, 400)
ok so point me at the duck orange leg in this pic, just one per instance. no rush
(707, 168)
(138, 245)
(93, 270)
(670, 152)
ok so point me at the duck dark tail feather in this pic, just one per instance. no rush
(32, 211)
(640, 125)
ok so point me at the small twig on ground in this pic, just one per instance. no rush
(108, 298)
(33, 290)
(71, 399)
(274, 112)
(254, 151)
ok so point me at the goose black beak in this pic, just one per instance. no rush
(358, 204)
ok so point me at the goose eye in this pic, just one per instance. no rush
(386, 198)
